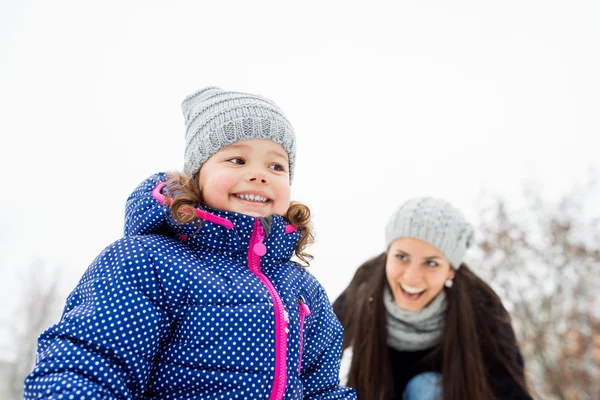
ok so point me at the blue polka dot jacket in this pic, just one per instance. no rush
(168, 312)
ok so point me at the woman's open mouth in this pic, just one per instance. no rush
(411, 293)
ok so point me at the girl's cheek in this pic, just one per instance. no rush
(223, 183)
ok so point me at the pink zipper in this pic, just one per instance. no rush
(304, 312)
(256, 250)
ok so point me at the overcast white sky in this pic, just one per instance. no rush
(389, 100)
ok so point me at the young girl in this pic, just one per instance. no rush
(420, 324)
(200, 300)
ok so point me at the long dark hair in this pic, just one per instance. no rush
(474, 317)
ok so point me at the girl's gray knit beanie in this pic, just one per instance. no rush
(215, 118)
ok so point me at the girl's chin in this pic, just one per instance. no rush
(252, 213)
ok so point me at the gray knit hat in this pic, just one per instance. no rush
(436, 222)
(215, 118)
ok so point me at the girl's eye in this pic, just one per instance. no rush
(432, 263)
(237, 160)
(277, 167)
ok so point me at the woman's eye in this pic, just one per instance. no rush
(401, 257)
(432, 264)
(237, 160)
(277, 167)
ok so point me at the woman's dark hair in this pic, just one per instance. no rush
(474, 317)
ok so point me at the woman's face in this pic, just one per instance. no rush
(416, 272)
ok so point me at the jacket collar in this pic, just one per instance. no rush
(220, 230)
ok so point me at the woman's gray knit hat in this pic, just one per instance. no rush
(436, 222)
(215, 118)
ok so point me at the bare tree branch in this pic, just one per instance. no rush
(544, 260)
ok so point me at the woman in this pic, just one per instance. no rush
(420, 323)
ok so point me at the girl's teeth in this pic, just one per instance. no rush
(251, 197)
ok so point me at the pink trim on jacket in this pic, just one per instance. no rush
(206, 216)
(281, 318)
(304, 312)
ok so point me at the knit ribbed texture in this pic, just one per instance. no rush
(436, 222)
(414, 330)
(215, 118)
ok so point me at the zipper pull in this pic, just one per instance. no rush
(259, 248)
(260, 231)
(303, 304)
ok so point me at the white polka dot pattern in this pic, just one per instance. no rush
(157, 316)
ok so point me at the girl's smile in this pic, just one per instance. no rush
(248, 177)
(253, 197)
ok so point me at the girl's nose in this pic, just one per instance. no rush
(262, 180)
(258, 177)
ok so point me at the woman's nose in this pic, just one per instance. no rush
(412, 274)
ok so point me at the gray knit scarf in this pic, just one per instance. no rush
(414, 330)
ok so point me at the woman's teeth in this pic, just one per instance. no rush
(411, 290)
(252, 197)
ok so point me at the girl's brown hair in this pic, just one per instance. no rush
(184, 193)
(474, 316)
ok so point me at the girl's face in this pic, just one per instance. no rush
(416, 272)
(249, 177)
